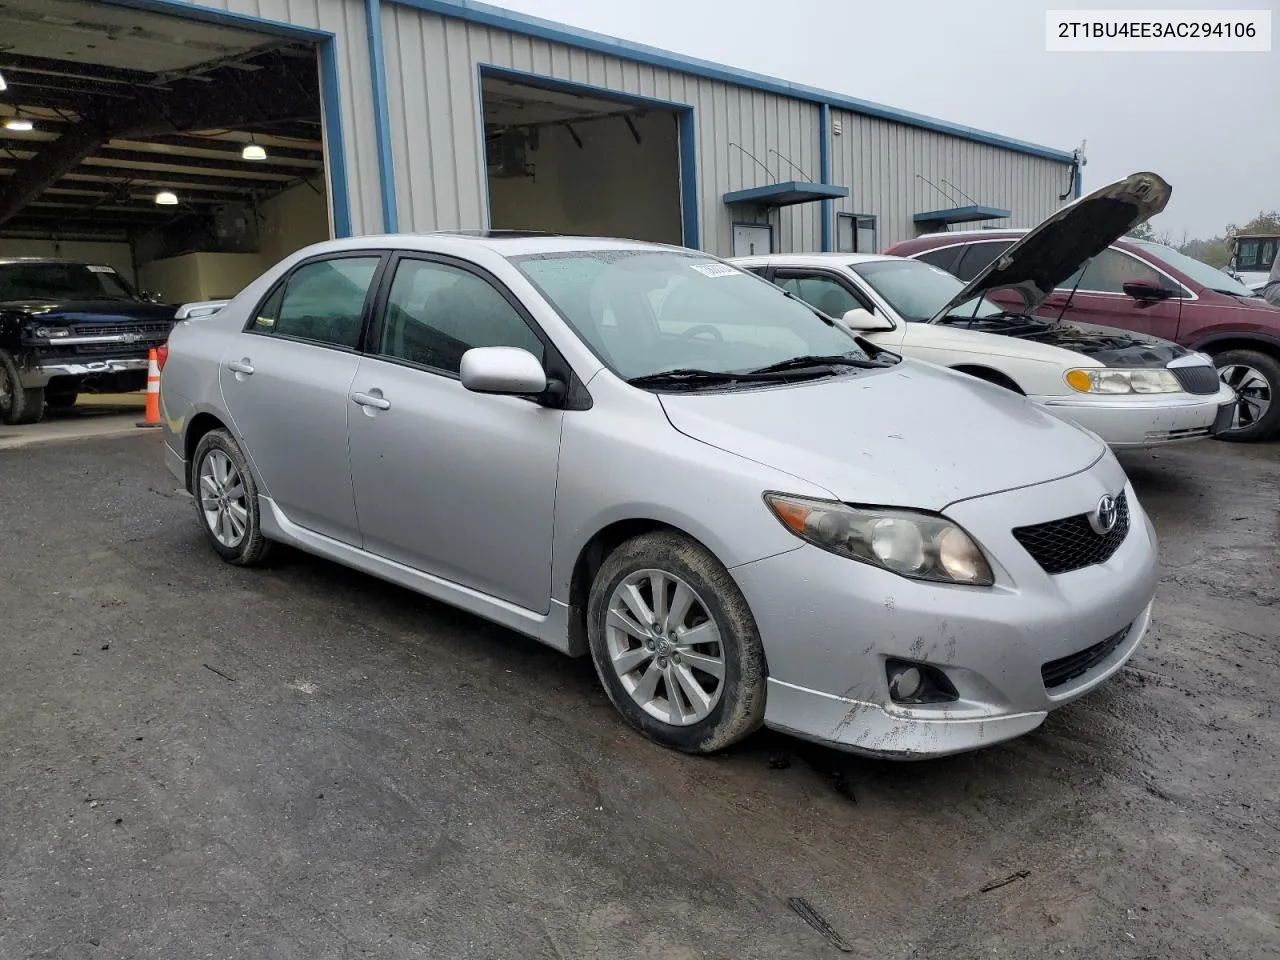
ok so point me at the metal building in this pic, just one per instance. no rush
(444, 114)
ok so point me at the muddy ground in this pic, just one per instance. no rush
(202, 761)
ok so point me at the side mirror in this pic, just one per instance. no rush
(1146, 290)
(864, 321)
(502, 370)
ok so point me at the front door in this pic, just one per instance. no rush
(285, 382)
(1100, 298)
(457, 484)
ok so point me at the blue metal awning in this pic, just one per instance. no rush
(786, 194)
(962, 214)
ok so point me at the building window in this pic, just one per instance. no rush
(855, 233)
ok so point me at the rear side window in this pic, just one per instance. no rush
(978, 256)
(944, 259)
(437, 312)
(322, 302)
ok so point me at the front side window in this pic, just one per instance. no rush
(917, 291)
(826, 293)
(53, 280)
(978, 256)
(646, 311)
(322, 301)
(437, 312)
(1110, 270)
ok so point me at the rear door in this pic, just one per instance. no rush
(285, 380)
(1100, 298)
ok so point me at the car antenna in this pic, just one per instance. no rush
(1067, 302)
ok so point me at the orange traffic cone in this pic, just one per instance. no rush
(153, 391)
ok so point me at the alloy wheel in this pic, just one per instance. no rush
(222, 499)
(665, 647)
(1253, 394)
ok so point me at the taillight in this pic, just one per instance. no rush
(162, 354)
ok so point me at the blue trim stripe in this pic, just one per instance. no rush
(689, 178)
(382, 118)
(489, 16)
(824, 167)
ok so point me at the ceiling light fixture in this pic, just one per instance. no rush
(167, 198)
(19, 125)
(252, 151)
(3, 86)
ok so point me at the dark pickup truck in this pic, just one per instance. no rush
(68, 327)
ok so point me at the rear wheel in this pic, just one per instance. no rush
(675, 645)
(226, 500)
(17, 404)
(1255, 377)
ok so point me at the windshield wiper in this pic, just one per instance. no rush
(832, 360)
(1233, 293)
(688, 376)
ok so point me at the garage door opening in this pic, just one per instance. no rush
(188, 155)
(568, 162)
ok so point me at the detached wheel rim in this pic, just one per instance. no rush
(222, 499)
(665, 647)
(1253, 394)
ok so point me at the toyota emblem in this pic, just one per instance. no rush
(1104, 518)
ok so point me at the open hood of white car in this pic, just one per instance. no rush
(1063, 243)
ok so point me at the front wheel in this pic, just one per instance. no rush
(226, 499)
(1255, 377)
(18, 404)
(675, 645)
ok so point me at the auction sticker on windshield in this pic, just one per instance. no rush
(715, 269)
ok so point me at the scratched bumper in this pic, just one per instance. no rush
(829, 624)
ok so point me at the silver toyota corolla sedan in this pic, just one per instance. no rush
(743, 512)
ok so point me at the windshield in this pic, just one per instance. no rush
(1197, 270)
(917, 291)
(646, 312)
(61, 281)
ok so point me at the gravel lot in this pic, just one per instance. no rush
(201, 761)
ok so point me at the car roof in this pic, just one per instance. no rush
(814, 259)
(11, 260)
(506, 243)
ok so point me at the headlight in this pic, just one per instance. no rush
(52, 333)
(1103, 380)
(917, 545)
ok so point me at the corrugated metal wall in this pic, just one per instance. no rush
(882, 164)
(346, 20)
(432, 79)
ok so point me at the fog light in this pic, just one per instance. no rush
(918, 683)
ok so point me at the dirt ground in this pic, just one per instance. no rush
(198, 761)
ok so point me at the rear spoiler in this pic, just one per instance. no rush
(201, 308)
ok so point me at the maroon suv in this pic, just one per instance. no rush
(1153, 289)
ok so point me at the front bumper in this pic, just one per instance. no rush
(829, 624)
(39, 376)
(1146, 421)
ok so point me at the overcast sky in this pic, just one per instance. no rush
(1208, 123)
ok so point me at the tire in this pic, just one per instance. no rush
(235, 534)
(61, 401)
(18, 404)
(732, 705)
(1257, 378)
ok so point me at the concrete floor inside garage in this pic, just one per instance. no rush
(202, 761)
(108, 107)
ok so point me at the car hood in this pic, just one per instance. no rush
(1107, 345)
(1062, 244)
(912, 435)
(92, 311)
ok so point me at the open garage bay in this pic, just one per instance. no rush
(202, 761)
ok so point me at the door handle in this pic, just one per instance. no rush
(241, 366)
(368, 400)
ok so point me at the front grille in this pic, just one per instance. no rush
(1201, 380)
(1065, 669)
(149, 330)
(1061, 546)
